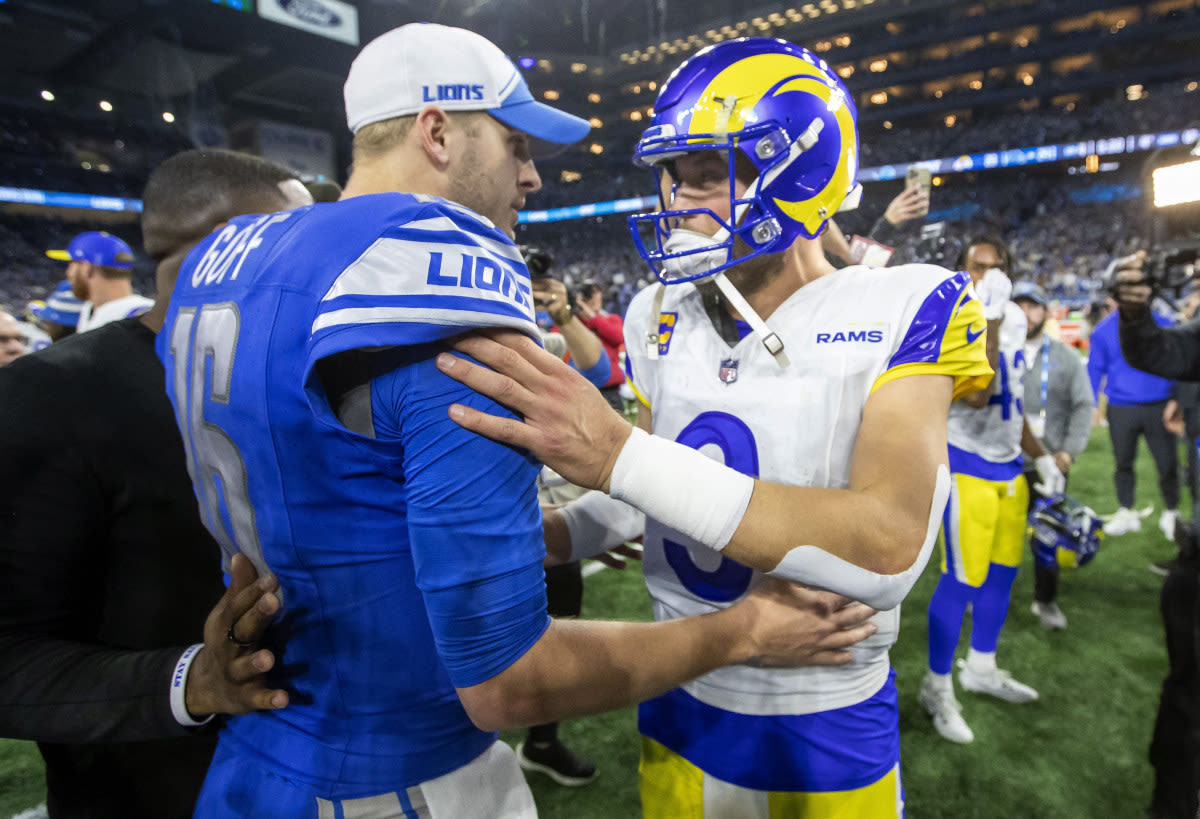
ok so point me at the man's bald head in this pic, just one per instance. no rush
(191, 193)
(12, 339)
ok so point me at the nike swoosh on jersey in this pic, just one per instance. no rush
(972, 336)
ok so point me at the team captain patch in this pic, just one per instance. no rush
(666, 329)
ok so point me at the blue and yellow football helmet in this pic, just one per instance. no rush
(782, 108)
(1064, 533)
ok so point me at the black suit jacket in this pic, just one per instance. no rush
(106, 575)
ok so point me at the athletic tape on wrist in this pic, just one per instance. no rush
(681, 488)
(179, 686)
(598, 523)
(814, 566)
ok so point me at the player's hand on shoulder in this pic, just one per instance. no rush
(994, 290)
(794, 626)
(228, 674)
(568, 425)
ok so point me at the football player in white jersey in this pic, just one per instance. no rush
(756, 359)
(983, 530)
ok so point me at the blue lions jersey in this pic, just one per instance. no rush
(409, 554)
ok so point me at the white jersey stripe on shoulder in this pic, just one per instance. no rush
(393, 267)
(454, 206)
(444, 223)
(419, 315)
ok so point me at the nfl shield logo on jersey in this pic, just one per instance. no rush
(728, 371)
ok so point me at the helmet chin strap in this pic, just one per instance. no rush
(770, 339)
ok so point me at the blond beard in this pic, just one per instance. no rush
(756, 273)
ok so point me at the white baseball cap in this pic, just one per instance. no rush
(420, 64)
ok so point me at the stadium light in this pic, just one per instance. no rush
(47, 95)
(168, 116)
(105, 105)
(1176, 184)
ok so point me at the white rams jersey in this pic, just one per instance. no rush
(994, 432)
(125, 307)
(846, 333)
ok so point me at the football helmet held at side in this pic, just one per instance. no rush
(1064, 532)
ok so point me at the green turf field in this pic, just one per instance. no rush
(1077, 753)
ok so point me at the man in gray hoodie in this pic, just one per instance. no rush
(1058, 408)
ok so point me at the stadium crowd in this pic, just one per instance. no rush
(1051, 235)
(1030, 212)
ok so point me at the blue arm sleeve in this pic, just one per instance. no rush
(597, 374)
(473, 518)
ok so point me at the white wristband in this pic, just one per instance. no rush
(598, 523)
(179, 685)
(681, 488)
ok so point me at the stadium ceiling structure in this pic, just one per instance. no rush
(177, 48)
(219, 62)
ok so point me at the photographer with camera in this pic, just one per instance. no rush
(542, 751)
(610, 329)
(1169, 352)
(550, 296)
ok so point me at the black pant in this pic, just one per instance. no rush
(1175, 749)
(564, 590)
(1193, 474)
(613, 396)
(1045, 579)
(1124, 426)
(564, 598)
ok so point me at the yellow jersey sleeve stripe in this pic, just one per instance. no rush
(947, 337)
(629, 380)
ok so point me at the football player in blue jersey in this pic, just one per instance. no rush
(798, 414)
(299, 350)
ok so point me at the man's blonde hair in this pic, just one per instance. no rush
(374, 140)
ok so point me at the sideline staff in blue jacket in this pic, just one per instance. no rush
(1135, 407)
